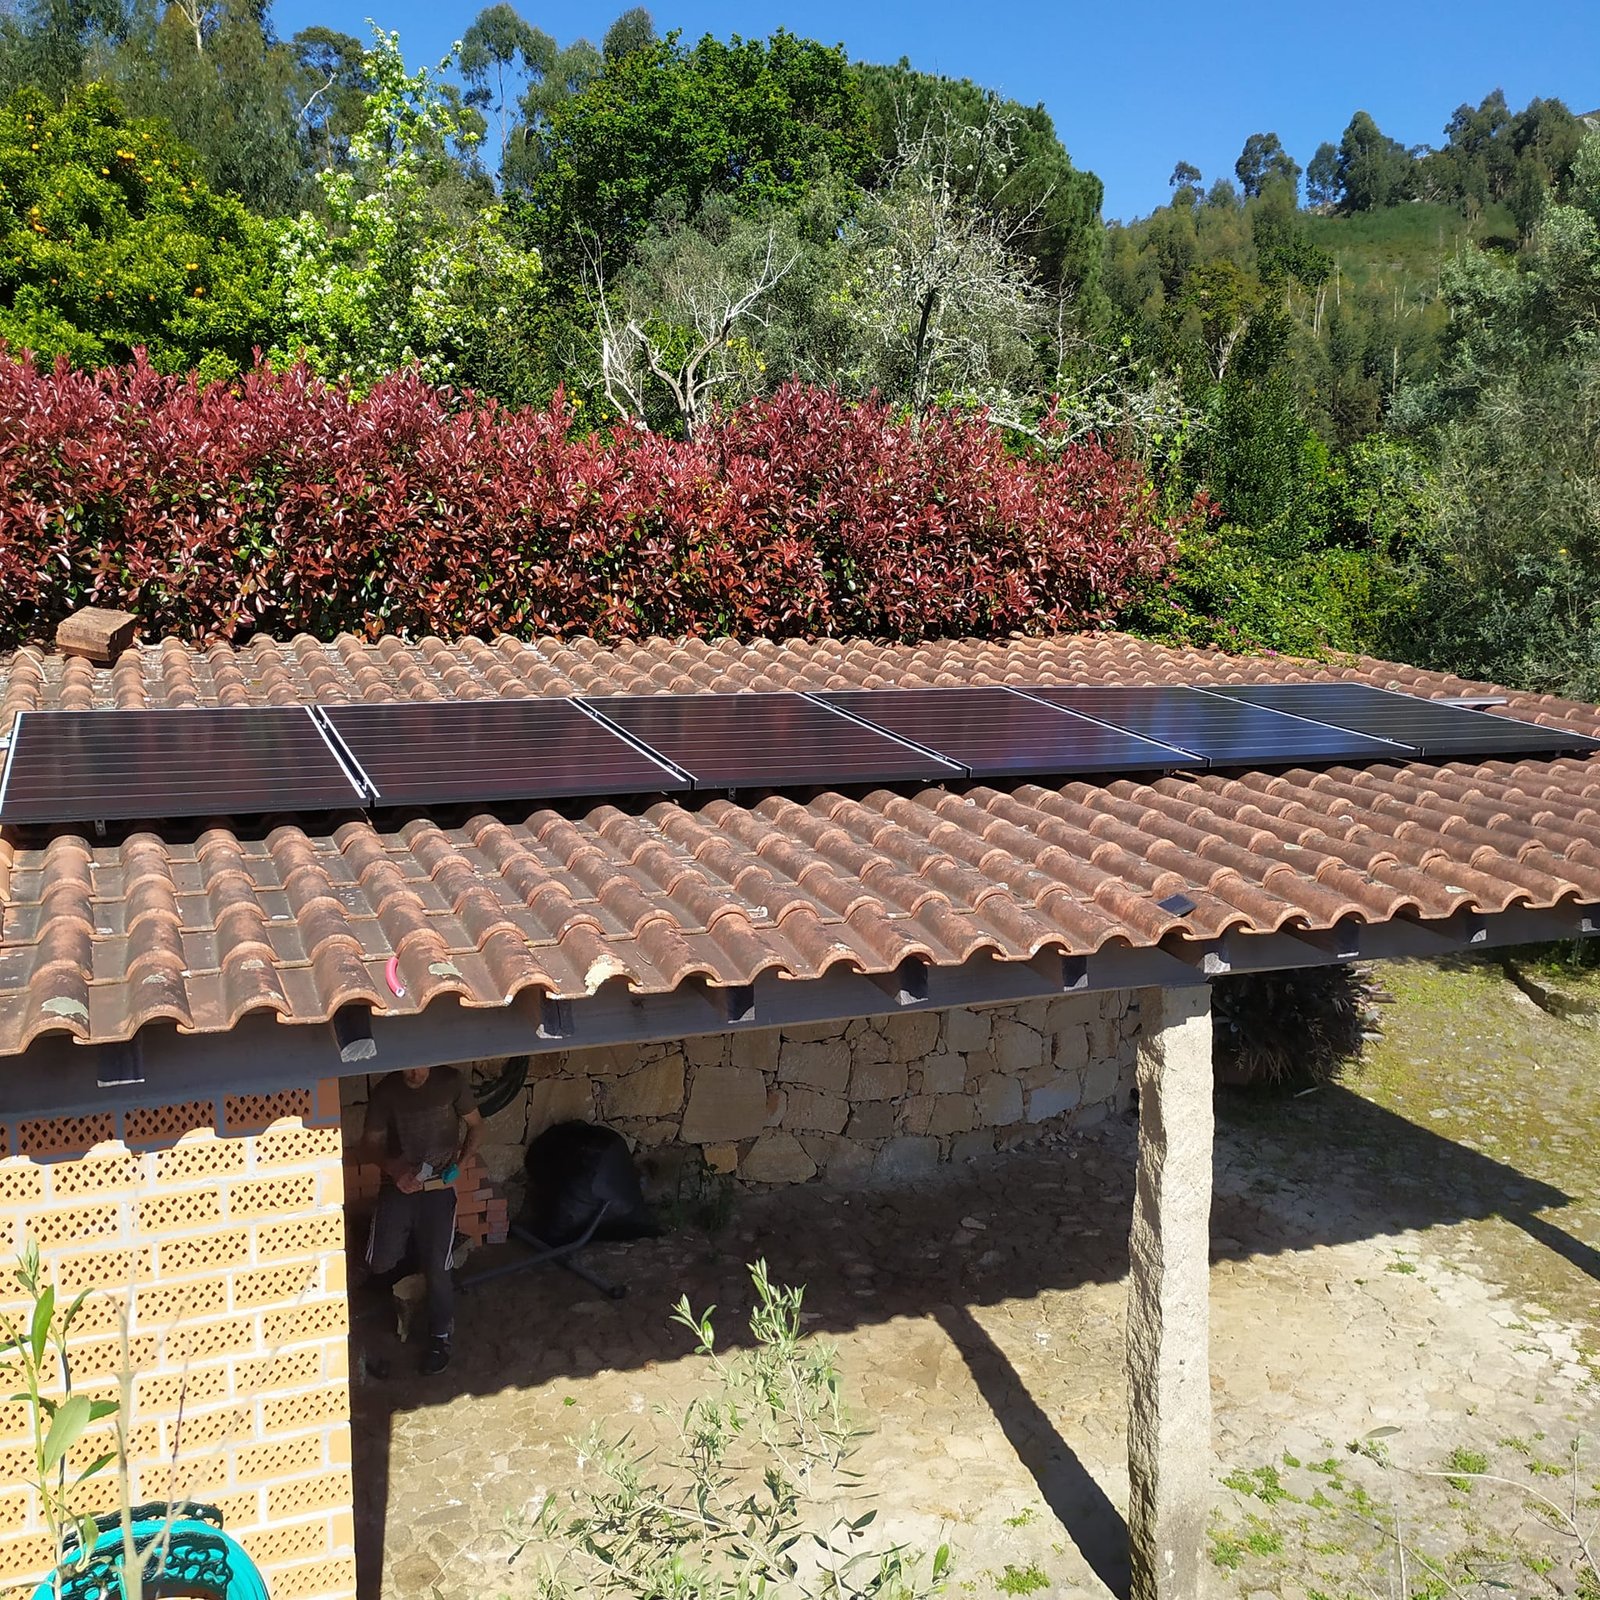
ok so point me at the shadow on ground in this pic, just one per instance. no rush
(1057, 1219)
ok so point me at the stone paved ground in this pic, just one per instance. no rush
(1366, 1277)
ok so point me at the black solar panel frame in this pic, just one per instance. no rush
(1306, 742)
(1137, 753)
(1481, 735)
(334, 788)
(913, 764)
(352, 726)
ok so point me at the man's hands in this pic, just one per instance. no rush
(406, 1179)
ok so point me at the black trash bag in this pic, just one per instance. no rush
(573, 1169)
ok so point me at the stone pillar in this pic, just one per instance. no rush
(1169, 1378)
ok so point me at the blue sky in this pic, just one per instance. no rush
(1134, 87)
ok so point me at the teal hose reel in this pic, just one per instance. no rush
(195, 1560)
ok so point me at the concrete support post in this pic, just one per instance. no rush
(1169, 1378)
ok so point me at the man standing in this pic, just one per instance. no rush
(422, 1126)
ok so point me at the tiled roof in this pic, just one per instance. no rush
(201, 928)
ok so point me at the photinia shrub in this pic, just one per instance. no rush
(281, 503)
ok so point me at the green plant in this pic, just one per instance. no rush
(34, 1360)
(741, 1498)
(1023, 1580)
(701, 1196)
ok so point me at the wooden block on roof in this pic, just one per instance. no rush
(97, 634)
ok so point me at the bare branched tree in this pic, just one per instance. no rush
(682, 319)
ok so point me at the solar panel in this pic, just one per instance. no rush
(89, 766)
(766, 741)
(1430, 730)
(1226, 733)
(484, 751)
(994, 733)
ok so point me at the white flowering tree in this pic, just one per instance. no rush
(945, 303)
(404, 267)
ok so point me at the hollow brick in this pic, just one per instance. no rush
(291, 1458)
(213, 1251)
(95, 1175)
(275, 1285)
(321, 1319)
(323, 1491)
(64, 1136)
(250, 1113)
(271, 1197)
(296, 1147)
(330, 1579)
(196, 1432)
(197, 1159)
(194, 1386)
(303, 1236)
(16, 1510)
(29, 1555)
(71, 1224)
(167, 1124)
(161, 1304)
(121, 1267)
(21, 1183)
(291, 1541)
(313, 1408)
(290, 1369)
(188, 1208)
(199, 1341)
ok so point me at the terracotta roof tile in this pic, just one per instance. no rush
(100, 939)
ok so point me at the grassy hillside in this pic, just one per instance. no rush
(1403, 248)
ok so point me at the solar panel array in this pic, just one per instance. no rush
(98, 766)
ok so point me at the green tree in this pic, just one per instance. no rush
(1185, 184)
(407, 265)
(331, 90)
(1262, 161)
(46, 44)
(226, 87)
(113, 240)
(1374, 170)
(633, 30)
(1510, 575)
(755, 122)
(1322, 177)
(500, 52)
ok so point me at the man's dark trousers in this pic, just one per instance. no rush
(422, 1224)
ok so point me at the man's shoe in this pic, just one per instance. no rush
(435, 1358)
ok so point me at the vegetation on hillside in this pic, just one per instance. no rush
(1352, 388)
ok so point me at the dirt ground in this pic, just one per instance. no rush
(1408, 1263)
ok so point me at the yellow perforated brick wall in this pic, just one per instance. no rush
(217, 1229)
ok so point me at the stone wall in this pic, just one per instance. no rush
(870, 1101)
(215, 1228)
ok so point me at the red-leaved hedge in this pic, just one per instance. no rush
(278, 502)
